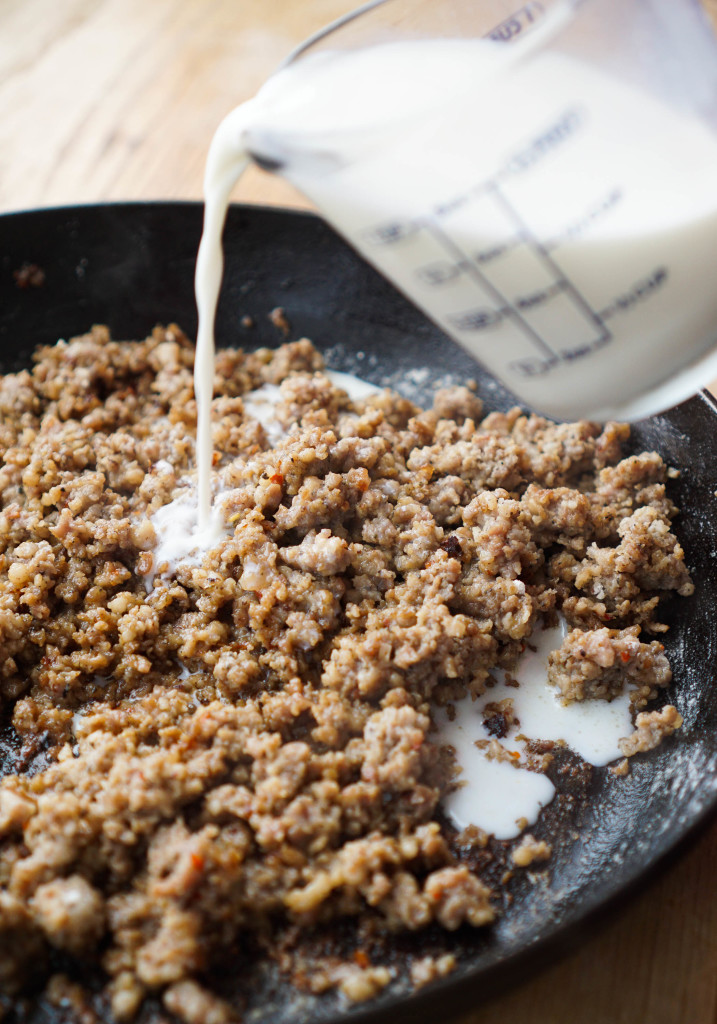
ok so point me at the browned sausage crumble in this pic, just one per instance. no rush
(202, 754)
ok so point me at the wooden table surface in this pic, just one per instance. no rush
(118, 99)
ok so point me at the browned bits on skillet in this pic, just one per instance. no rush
(499, 717)
(280, 321)
(246, 744)
(452, 546)
(29, 275)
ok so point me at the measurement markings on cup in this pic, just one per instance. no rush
(560, 281)
(550, 314)
(500, 308)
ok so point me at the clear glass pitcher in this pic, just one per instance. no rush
(540, 180)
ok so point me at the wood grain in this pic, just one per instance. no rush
(118, 99)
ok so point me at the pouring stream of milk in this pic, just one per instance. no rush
(225, 164)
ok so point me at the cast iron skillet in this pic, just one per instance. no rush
(131, 266)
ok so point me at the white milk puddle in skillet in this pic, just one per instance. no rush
(495, 794)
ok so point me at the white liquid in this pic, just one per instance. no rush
(558, 223)
(261, 405)
(355, 387)
(225, 164)
(181, 538)
(497, 794)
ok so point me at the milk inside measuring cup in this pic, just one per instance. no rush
(558, 223)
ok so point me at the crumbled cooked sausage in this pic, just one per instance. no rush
(244, 743)
(529, 850)
(193, 1004)
(600, 662)
(70, 912)
(652, 727)
(428, 968)
(361, 984)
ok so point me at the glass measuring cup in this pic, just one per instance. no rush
(540, 179)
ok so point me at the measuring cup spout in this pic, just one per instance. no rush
(267, 163)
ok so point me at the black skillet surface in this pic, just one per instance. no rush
(131, 266)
